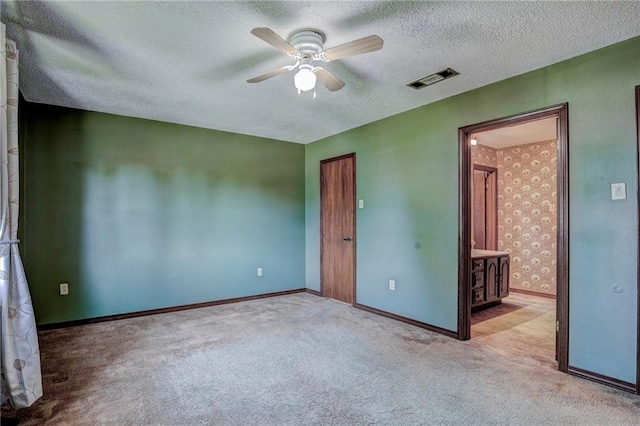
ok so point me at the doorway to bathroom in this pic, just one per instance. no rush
(513, 284)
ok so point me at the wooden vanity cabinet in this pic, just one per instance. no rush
(489, 277)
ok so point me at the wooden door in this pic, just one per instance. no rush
(337, 228)
(491, 210)
(479, 210)
(484, 222)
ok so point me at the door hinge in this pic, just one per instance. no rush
(557, 326)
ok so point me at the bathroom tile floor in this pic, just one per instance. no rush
(522, 325)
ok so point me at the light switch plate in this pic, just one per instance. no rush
(618, 191)
(361, 203)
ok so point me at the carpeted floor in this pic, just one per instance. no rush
(300, 360)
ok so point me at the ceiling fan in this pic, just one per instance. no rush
(307, 46)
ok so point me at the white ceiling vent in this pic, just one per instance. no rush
(433, 78)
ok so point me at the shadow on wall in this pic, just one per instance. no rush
(138, 215)
(49, 204)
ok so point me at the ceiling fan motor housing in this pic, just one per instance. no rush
(308, 41)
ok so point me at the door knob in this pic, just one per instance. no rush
(347, 239)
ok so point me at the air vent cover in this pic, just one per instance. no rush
(433, 78)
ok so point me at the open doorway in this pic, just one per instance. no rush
(513, 240)
(514, 198)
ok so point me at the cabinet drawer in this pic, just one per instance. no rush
(477, 279)
(477, 296)
(477, 265)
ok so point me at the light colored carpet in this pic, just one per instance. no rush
(300, 360)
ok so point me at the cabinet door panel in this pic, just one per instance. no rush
(491, 280)
(504, 276)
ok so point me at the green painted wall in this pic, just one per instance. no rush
(407, 173)
(137, 214)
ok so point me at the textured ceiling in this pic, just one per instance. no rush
(521, 134)
(188, 62)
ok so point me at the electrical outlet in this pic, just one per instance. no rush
(259, 272)
(392, 284)
(64, 289)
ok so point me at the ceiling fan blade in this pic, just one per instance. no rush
(356, 47)
(328, 80)
(266, 75)
(268, 36)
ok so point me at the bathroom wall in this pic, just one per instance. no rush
(527, 214)
(526, 211)
(484, 155)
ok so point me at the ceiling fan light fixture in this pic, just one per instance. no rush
(305, 79)
(307, 46)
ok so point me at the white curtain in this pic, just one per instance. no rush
(21, 376)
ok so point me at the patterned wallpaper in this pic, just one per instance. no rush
(484, 155)
(526, 211)
(527, 214)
